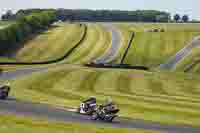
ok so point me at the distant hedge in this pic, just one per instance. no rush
(12, 36)
(113, 15)
(104, 15)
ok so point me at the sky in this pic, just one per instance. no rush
(190, 7)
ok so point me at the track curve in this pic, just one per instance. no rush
(171, 63)
(21, 72)
(111, 53)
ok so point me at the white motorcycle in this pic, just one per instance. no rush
(88, 106)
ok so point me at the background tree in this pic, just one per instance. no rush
(185, 18)
(177, 17)
(8, 15)
(12, 37)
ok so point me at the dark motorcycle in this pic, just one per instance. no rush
(88, 106)
(105, 115)
(4, 91)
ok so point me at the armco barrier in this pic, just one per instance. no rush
(129, 45)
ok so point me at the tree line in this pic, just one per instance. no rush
(98, 15)
(12, 36)
(113, 15)
(103, 15)
(178, 18)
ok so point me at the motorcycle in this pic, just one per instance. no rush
(101, 114)
(88, 106)
(4, 91)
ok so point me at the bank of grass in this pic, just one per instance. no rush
(55, 44)
(51, 44)
(97, 41)
(58, 40)
(153, 49)
(162, 97)
(13, 124)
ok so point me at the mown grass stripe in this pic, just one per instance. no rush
(99, 47)
(88, 84)
(124, 84)
(156, 101)
(82, 51)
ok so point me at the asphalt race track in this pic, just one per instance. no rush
(171, 63)
(116, 44)
(20, 108)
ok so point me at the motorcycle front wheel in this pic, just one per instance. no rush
(94, 116)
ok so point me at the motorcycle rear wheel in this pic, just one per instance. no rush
(110, 119)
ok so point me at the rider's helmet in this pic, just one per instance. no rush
(92, 98)
(108, 101)
(7, 84)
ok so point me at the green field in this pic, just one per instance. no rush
(163, 97)
(12, 124)
(148, 48)
(51, 44)
(59, 39)
(154, 48)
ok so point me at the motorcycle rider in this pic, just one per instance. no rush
(108, 106)
(91, 100)
(106, 111)
(4, 91)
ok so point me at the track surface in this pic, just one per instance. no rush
(116, 44)
(171, 63)
(21, 72)
(20, 108)
(14, 106)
